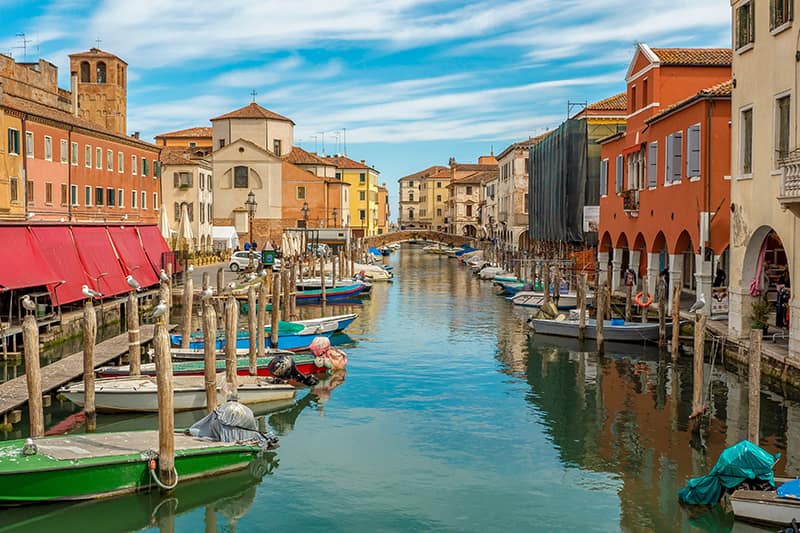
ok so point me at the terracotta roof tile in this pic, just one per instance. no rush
(618, 102)
(481, 176)
(292, 172)
(51, 113)
(467, 167)
(720, 90)
(182, 156)
(96, 52)
(253, 110)
(344, 162)
(189, 132)
(298, 156)
(428, 172)
(721, 57)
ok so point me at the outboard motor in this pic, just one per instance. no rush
(284, 367)
(232, 422)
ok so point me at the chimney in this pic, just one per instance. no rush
(135, 135)
(362, 162)
(73, 85)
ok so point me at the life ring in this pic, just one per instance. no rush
(646, 303)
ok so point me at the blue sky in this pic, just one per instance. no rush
(412, 82)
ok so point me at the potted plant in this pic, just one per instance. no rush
(759, 310)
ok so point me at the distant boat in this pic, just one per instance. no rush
(338, 293)
(613, 330)
(566, 300)
(306, 364)
(139, 394)
(316, 283)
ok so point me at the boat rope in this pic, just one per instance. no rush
(151, 466)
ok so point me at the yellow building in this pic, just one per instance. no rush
(363, 180)
(423, 199)
(196, 138)
(12, 206)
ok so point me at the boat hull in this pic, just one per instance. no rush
(305, 364)
(535, 299)
(338, 293)
(83, 475)
(629, 332)
(286, 341)
(764, 507)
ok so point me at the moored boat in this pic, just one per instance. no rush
(140, 393)
(306, 364)
(566, 300)
(613, 331)
(334, 293)
(192, 354)
(291, 336)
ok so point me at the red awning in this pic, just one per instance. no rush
(99, 260)
(131, 253)
(23, 264)
(154, 245)
(57, 246)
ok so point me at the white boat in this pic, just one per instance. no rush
(336, 323)
(566, 300)
(140, 394)
(766, 507)
(194, 354)
(490, 272)
(373, 272)
(613, 330)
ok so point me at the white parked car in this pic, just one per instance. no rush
(241, 260)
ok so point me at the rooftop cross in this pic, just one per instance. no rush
(253, 93)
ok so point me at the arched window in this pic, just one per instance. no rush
(240, 177)
(101, 72)
(85, 72)
(411, 214)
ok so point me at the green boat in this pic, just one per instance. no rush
(99, 465)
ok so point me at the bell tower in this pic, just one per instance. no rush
(101, 88)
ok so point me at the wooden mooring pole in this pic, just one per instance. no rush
(276, 309)
(261, 319)
(676, 321)
(581, 307)
(231, 327)
(134, 339)
(698, 380)
(89, 340)
(646, 296)
(601, 316)
(33, 375)
(188, 301)
(166, 407)
(252, 328)
(165, 296)
(754, 387)
(210, 353)
(662, 313)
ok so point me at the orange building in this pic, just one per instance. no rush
(664, 182)
(199, 139)
(308, 200)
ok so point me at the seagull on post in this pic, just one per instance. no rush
(28, 304)
(206, 293)
(135, 285)
(699, 304)
(90, 293)
(159, 310)
(190, 269)
(163, 275)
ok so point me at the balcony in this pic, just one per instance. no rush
(790, 182)
(630, 202)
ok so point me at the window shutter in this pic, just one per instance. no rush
(191, 212)
(176, 179)
(191, 179)
(668, 159)
(177, 211)
(619, 175)
(693, 151)
(604, 177)
(677, 165)
(652, 164)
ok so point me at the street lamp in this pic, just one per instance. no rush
(304, 209)
(251, 205)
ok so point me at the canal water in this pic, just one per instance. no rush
(453, 418)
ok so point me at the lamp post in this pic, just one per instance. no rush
(304, 209)
(251, 206)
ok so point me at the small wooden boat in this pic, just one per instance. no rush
(764, 507)
(535, 299)
(306, 364)
(336, 323)
(291, 336)
(99, 465)
(334, 293)
(613, 331)
(191, 354)
(316, 283)
(140, 394)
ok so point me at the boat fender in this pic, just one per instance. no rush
(29, 448)
(151, 466)
(645, 303)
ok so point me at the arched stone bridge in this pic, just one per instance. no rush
(417, 235)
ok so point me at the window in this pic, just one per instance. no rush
(145, 166)
(73, 195)
(362, 214)
(99, 196)
(111, 197)
(438, 197)
(74, 154)
(362, 178)
(144, 200)
(13, 141)
(782, 117)
(693, 151)
(120, 198)
(300, 193)
(604, 177)
(410, 214)
(745, 25)
(410, 183)
(85, 72)
(63, 153)
(109, 159)
(48, 148)
(674, 158)
(210, 213)
(134, 197)
(28, 144)
(29, 191)
(48, 192)
(618, 175)
(221, 143)
(780, 12)
(155, 201)
(101, 72)
(202, 212)
(182, 180)
(438, 212)
(362, 196)
(87, 196)
(644, 93)
(469, 190)
(652, 164)
(134, 164)
(156, 169)
(469, 210)
(338, 175)
(633, 98)
(746, 142)
(64, 194)
(13, 189)
(525, 203)
(120, 162)
(87, 155)
(98, 157)
(192, 145)
(276, 147)
(240, 177)
(438, 184)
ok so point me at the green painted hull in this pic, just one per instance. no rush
(40, 478)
